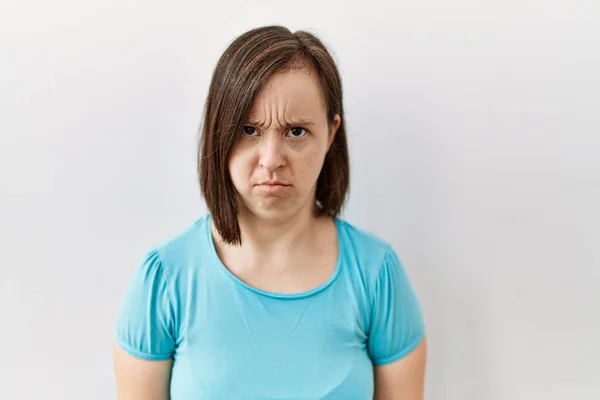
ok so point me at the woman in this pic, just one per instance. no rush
(271, 295)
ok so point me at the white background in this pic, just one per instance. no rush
(474, 129)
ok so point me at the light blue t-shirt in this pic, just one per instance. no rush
(230, 341)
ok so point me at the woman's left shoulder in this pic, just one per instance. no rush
(366, 247)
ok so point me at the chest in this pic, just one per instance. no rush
(254, 347)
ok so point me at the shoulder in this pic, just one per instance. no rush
(364, 249)
(181, 249)
(362, 237)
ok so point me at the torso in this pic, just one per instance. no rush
(237, 340)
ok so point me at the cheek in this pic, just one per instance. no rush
(308, 167)
(240, 169)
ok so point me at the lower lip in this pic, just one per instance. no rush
(272, 188)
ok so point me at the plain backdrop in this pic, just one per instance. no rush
(474, 132)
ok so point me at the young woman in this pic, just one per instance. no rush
(271, 295)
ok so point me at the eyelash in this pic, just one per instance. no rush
(289, 130)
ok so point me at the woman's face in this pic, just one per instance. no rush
(279, 155)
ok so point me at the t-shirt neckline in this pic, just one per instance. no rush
(268, 293)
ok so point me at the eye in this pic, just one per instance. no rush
(297, 132)
(250, 131)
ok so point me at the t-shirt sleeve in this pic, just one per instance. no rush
(145, 323)
(397, 325)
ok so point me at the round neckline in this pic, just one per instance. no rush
(280, 295)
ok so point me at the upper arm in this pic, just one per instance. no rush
(396, 340)
(403, 379)
(139, 379)
(146, 332)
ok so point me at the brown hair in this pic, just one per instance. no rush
(249, 61)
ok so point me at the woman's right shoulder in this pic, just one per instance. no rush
(150, 318)
(189, 247)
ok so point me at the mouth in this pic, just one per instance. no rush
(272, 183)
(272, 186)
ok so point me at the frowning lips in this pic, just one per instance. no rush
(272, 183)
(272, 187)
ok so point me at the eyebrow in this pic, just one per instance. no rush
(289, 122)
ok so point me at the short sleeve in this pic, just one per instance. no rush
(145, 322)
(397, 325)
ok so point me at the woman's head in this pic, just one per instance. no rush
(273, 139)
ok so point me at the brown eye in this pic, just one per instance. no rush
(249, 130)
(297, 132)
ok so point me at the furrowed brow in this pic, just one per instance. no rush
(299, 121)
(289, 122)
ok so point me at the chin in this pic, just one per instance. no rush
(273, 211)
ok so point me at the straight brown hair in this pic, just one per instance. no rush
(242, 70)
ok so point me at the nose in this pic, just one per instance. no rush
(271, 155)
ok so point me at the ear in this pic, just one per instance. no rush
(337, 121)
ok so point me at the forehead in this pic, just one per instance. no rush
(295, 93)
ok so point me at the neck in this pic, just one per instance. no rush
(270, 242)
(269, 235)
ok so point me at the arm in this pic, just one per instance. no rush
(145, 334)
(139, 379)
(397, 342)
(403, 379)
